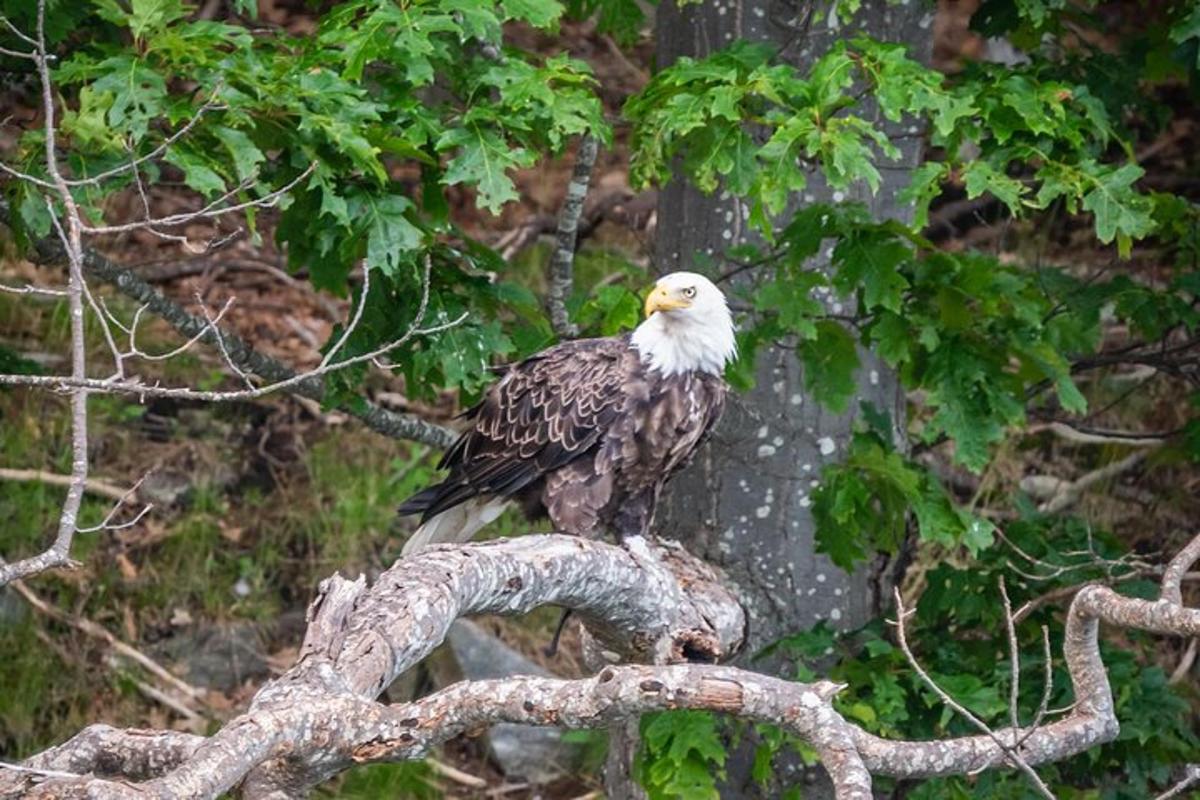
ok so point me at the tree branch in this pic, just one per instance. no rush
(388, 423)
(649, 601)
(562, 262)
(59, 552)
(360, 639)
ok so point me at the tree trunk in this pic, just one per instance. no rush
(745, 502)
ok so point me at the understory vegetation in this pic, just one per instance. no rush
(1041, 310)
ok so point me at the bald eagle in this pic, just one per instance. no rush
(588, 431)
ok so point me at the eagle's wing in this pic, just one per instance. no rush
(543, 414)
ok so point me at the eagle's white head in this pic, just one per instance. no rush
(688, 326)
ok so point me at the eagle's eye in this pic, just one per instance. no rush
(689, 292)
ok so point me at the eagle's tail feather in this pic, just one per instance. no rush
(420, 502)
(457, 524)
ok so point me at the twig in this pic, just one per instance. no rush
(94, 485)
(210, 211)
(166, 699)
(135, 387)
(455, 774)
(220, 340)
(1010, 753)
(31, 289)
(156, 152)
(1014, 658)
(1185, 663)
(59, 551)
(562, 262)
(106, 524)
(1070, 493)
(96, 631)
(20, 34)
(1047, 685)
(210, 330)
(399, 426)
(358, 312)
(1190, 778)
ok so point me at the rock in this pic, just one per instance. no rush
(538, 755)
(165, 488)
(221, 657)
(13, 610)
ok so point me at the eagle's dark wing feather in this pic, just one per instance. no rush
(544, 413)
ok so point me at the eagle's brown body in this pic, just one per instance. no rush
(585, 432)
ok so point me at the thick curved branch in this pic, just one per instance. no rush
(650, 601)
(644, 601)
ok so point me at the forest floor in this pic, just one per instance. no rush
(256, 502)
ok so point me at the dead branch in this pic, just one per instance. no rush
(647, 601)
(1190, 778)
(118, 647)
(388, 423)
(360, 639)
(562, 263)
(91, 485)
(1009, 748)
(1070, 492)
(134, 386)
(70, 234)
(70, 228)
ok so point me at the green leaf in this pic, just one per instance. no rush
(980, 177)
(538, 13)
(391, 235)
(871, 261)
(198, 173)
(1119, 210)
(150, 16)
(483, 160)
(830, 361)
(246, 156)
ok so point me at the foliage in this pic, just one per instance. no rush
(978, 340)
(395, 108)
(683, 755)
(885, 696)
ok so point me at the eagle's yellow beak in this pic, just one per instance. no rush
(660, 299)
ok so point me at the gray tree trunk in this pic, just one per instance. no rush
(745, 502)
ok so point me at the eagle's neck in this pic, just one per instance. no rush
(676, 345)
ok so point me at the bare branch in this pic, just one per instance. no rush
(399, 426)
(1009, 750)
(31, 289)
(562, 262)
(1191, 778)
(1014, 658)
(320, 714)
(1173, 574)
(362, 304)
(20, 34)
(1069, 493)
(92, 485)
(211, 211)
(136, 387)
(24, 176)
(1077, 435)
(96, 631)
(59, 552)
